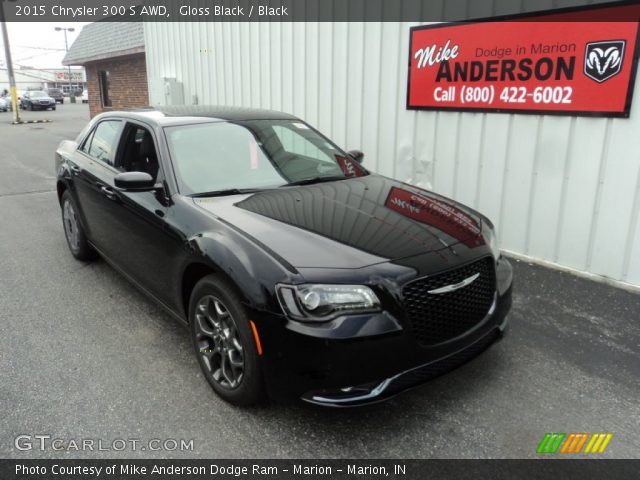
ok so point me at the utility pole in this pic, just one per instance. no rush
(7, 56)
(72, 97)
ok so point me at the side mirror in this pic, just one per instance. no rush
(357, 155)
(134, 181)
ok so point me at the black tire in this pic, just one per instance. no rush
(53, 108)
(73, 231)
(212, 344)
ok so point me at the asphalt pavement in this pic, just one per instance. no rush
(84, 355)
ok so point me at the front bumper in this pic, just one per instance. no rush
(372, 364)
(389, 387)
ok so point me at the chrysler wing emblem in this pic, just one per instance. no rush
(455, 286)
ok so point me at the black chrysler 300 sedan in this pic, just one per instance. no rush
(299, 272)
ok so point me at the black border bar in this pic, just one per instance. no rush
(271, 469)
(291, 10)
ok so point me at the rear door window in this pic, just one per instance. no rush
(105, 140)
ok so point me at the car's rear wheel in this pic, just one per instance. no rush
(224, 343)
(73, 231)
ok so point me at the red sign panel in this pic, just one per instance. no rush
(542, 66)
(442, 215)
(347, 166)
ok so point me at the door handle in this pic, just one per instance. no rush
(108, 192)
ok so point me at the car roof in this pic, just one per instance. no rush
(180, 114)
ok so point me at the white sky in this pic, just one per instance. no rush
(29, 40)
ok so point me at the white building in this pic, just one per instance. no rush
(41, 78)
(560, 189)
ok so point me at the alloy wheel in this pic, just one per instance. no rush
(218, 342)
(71, 225)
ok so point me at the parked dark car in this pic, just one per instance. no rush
(37, 100)
(299, 272)
(56, 94)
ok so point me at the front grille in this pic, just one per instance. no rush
(436, 318)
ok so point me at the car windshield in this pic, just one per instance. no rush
(37, 94)
(251, 155)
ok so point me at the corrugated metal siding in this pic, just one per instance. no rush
(561, 189)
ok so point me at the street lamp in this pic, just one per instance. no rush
(72, 97)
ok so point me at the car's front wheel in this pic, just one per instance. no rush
(73, 231)
(224, 343)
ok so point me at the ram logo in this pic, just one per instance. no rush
(603, 60)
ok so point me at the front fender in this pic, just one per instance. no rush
(249, 265)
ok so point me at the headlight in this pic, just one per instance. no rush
(492, 241)
(324, 302)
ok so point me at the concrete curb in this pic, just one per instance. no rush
(30, 121)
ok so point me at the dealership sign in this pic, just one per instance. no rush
(553, 66)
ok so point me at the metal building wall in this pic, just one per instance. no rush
(559, 189)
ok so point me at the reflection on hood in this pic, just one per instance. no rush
(372, 213)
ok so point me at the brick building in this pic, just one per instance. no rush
(113, 55)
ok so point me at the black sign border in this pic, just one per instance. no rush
(542, 13)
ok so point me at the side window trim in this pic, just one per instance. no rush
(85, 144)
(170, 176)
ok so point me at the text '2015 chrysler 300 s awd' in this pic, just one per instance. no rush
(300, 273)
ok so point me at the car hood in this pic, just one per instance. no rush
(349, 223)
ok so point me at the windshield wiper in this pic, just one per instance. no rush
(222, 193)
(309, 181)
